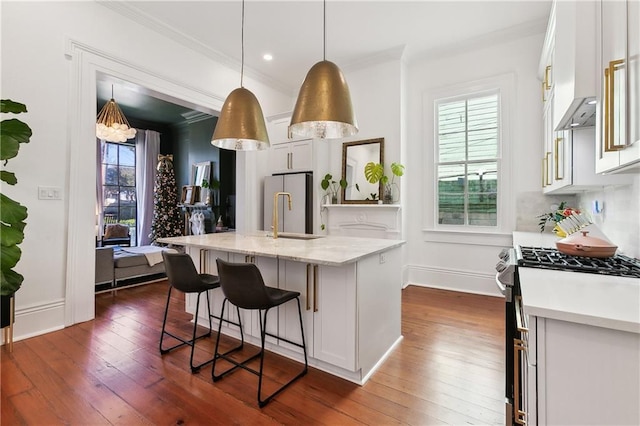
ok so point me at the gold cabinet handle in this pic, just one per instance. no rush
(308, 280)
(547, 181)
(556, 158)
(547, 77)
(520, 416)
(544, 92)
(609, 96)
(543, 172)
(315, 288)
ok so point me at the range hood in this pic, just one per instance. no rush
(581, 113)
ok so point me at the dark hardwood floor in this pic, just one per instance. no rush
(448, 369)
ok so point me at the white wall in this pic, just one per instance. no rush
(469, 265)
(42, 68)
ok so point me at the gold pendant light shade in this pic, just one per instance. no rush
(112, 125)
(241, 125)
(323, 109)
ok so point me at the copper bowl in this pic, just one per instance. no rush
(581, 244)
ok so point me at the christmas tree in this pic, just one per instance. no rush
(166, 215)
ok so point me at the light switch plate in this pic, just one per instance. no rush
(49, 193)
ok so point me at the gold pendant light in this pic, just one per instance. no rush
(323, 109)
(111, 124)
(241, 126)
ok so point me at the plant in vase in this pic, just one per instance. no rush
(332, 187)
(13, 132)
(374, 173)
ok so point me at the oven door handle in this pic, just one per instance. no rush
(502, 287)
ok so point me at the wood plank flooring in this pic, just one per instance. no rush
(448, 369)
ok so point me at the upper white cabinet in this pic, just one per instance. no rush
(287, 155)
(618, 86)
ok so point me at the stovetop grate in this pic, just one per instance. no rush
(550, 258)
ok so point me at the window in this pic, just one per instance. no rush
(467, 159)
(119, 185)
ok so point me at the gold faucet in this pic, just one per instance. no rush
(275, 211)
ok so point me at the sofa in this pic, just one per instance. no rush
(113, 264)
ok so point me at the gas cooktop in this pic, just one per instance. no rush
(550, 258)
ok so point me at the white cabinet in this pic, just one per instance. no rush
(618, 145)
(581, 374)
(294, 156)
(328, 302)
(287, 154)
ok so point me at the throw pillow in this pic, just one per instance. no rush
(116, 231)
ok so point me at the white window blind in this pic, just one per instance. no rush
(467, 159)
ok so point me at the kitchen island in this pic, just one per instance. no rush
(583, 343)
(350, 294)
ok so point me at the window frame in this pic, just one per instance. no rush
(504, 86)
(103, 164)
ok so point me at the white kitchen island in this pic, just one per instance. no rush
(350, 294)
(584, 344)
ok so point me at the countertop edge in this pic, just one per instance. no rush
(609, 323)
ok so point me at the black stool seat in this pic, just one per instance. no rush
(243, 286)
(183, 276)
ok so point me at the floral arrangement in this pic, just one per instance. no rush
(556, 216)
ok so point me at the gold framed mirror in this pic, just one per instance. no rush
(354, 157)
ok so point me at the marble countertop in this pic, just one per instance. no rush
(585, 298)
(324, 250)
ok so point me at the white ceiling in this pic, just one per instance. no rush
(357, 30)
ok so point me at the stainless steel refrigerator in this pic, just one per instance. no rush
(299, 219)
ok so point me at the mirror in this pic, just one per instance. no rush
(354, 157)
(201, 172)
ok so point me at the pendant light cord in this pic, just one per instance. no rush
(242, 47)
(324, 30)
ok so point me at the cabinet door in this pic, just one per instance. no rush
(297, 276)
(631, 153)
(334, 322)
(280, 158)
(302, 155)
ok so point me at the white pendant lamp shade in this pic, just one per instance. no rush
(241, 125)
(111, 125)
(323, 108)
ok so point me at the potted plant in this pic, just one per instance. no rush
(13, 132)
(332, 187)
(374, 173)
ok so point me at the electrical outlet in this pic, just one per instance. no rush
(49, 193)
(383, 258)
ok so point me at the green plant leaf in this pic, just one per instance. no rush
(397, 169)
(13, 132)
(9, 106)
(10, 255)
(343, 183)
(11, 212)
(8, 177)
(10, 282)
(10, 235)
(373, 172)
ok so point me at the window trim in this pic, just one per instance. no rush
(504, 85)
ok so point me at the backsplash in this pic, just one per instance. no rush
(620, 217)
(619, 220)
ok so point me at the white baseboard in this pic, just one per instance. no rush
(451, 279)
(38, 319)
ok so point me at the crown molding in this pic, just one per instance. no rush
(128, 10)
(523, 30)
(395, 53)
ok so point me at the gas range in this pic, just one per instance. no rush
(551, 258)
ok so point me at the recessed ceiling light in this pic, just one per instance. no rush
(267, 57)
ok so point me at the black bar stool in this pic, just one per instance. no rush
(243, 286)
(183, 276)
